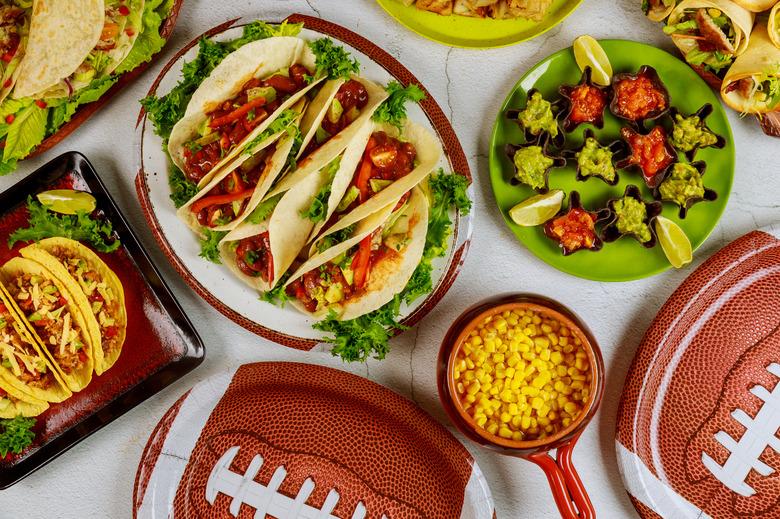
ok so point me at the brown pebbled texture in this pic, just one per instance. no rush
(345, 432)
(452, 149)
(728, 355)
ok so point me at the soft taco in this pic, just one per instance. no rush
(14, 27)
(710, 33)
(62, 34)
(658, 10)
(242, 96)
(23, 364)
(96, 290)
(261, 249)
(773, 25)
(368, 267)
(53, 318)
(393, 161)
(14, 403)
(234, 192)
(752, 84)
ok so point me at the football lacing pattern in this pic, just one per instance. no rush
(266, 499)
(759, 434)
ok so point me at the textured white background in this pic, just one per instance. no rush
(95, 479)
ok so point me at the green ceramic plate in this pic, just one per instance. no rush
(624, 259)
(463, 31)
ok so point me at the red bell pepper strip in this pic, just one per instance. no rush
(219, 200)
(237, 113)
(361, 263)
(363, 177)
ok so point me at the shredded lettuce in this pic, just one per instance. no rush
(688, 25)
(280, 124)
(318, 209)
(182, 189)
(264, 211)
(62, 113)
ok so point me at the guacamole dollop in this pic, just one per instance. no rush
(531, 164)
(631, 216)
(690, 133)
(682, 185)
(537, 117)
(595, 160)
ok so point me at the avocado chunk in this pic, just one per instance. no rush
(350, 196)
(378, 184)
(266, 92)
(335, 111)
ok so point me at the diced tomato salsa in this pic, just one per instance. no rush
(649, 152)
(352, 97)
(587, 104)
(254, 257)
(637, 97)
(574, 230)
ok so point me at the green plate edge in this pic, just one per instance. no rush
(475, 33)
(625, 259)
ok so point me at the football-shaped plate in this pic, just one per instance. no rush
(215, 283)
(290, 440)
(697, 431)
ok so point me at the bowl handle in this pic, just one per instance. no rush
(567, 488)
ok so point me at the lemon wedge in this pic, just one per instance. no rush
(674, 242)
(537, 209)
(67, 201)
(588, 53)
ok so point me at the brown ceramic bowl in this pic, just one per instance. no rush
(568, 491)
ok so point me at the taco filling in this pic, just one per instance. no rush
(13, 27)
(345, 107)
(46, 308)
(761, 92)
(254, 257)
(228, 125)
(709, 37)
(19, 356)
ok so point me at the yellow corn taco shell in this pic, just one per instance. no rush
(258, 59)
(757, 6)
(62, 33)
(761, 58)
(741, 19)
(65, 333)
(389, 275)
(23, 364)
(15, 403)
(773, 25)
(95, 288)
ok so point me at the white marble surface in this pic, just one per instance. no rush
(95, 479)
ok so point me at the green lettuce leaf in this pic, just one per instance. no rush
(182, 189)
(26, 132)
(16, 435)
(393, 109)
(62, 113)
(264, 210)
(332, 60)
(209, 246)
(149, 42)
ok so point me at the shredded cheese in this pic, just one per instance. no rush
(65, 334)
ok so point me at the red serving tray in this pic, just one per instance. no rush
(161, 344)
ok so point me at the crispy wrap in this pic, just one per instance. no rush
(757, 6)
(752, 84)
(367, 269)
(773, 25)
(96, 289)
(242, 96)
(53, 318)
(24, 366)
(659, 10)
(62, 34)
(14, 403)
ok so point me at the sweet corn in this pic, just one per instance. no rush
(522, 375)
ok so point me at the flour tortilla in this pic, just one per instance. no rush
(10, 70)
(757, 6)
(258, 59)
(389, 276)
(761, 57)
(741, 19)
(62, 33)
(773, 25)
(661, 12)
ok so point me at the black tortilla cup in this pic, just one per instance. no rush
(709, 194)
(610, 231)
(702, 113)
(576, 203)
(618, 149)
(626, 163)
(652, 75)
(567, 90)
(558, 162)
(556, 106)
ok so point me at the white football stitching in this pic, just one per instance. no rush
(759, 434)
(267, 499)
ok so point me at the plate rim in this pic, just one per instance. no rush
(492, 157)
(453, 151)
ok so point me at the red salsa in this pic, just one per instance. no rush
(254, 258)
(649, 152)
(574, 230)
(9, 32)
(638, 97)
(349, 100)
(235, 118)
(587, 104)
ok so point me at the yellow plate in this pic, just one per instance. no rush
(478, 33)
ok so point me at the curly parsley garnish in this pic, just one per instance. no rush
(81, 227)
(332, 60)
(209, 245)
(393, 109)
(16, 435)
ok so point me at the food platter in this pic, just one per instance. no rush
(462, 31)
(624, 259)
(213, 282)
(161, 344)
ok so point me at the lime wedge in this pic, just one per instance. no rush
(588, 53)
(67, 201)
(674, 242)
(537, 209)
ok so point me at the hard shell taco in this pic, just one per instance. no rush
(368, 268)
(15, 27)
(261, 249)
(14, 403)
(23, 364)
(242, 96)
(53, 318)
(752, 84)
(62, 35)
(95, 288)
(234, 192)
